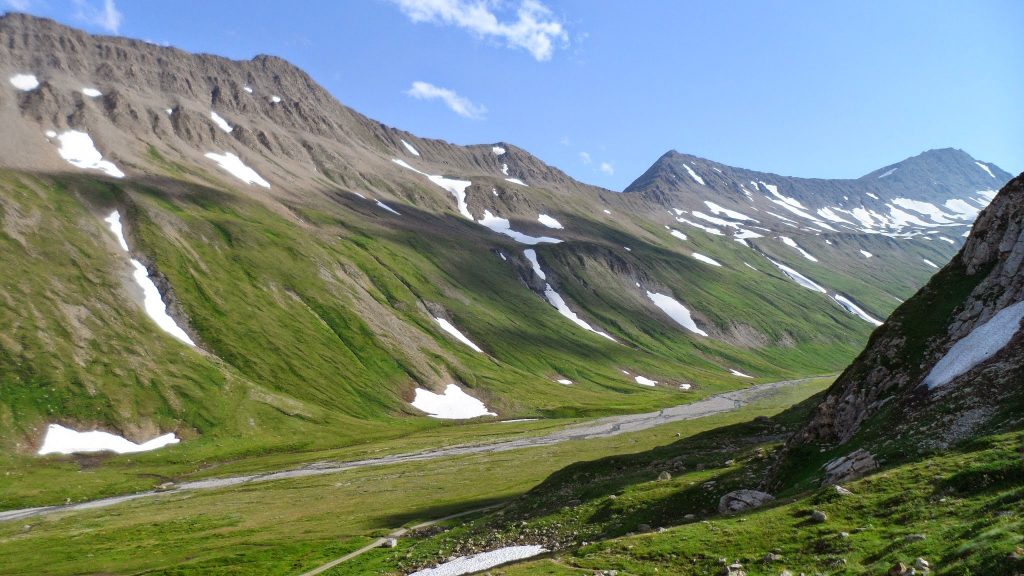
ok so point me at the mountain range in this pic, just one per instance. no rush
(240, 319)
(328, 268)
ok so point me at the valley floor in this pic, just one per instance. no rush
(298, 523)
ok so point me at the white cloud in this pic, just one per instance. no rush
(107, 17)
(607, 168)
(585, 158)
(536, 29)
(18, 5)
(458, 104)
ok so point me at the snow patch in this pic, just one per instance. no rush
(409, 147)
(718, 210)
(738, 373)
(676, 311)
(275, 99)
(61, 440)
(451, 329)
(79, 151)
(926, 208)
(549, 221)
(247, 89)
(964, 210)
(92, 92)
(866, 253)
(705, 259)
(981, 344)
(24, 82)
(930, 263)
(645, 381)
(220, 122)
(677, 234)
(889, 172)
(516, 181)
(452, 404)
(234, 165)
(564, 381)
(482, 561)
(503, 226)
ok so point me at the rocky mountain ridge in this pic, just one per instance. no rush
(949, 363)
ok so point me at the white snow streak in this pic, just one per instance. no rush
(985, 168)
(451, 329)
(220, 122)
(388, 208)
(409, 147)
(798, 277)
(705, 259)
(855, 310)
(792, 244)
(694, 175)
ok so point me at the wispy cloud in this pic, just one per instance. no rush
(106, 16)
(585, 157)
(536, 29)
(607, 168)
(458, 104)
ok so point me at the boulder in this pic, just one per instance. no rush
(849, 467)
(741, 500)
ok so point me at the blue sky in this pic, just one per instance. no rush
(602, 88)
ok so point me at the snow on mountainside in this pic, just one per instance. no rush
(936, 191)
(337, 269)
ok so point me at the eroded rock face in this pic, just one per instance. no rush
(741, 500)
(849, 467)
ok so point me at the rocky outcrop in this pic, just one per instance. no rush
(741, 500)
(882, 390)
(849, 467)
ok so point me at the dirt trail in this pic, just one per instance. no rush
(598, 428)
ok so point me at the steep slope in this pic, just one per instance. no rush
(947, 365)
(331, 269)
